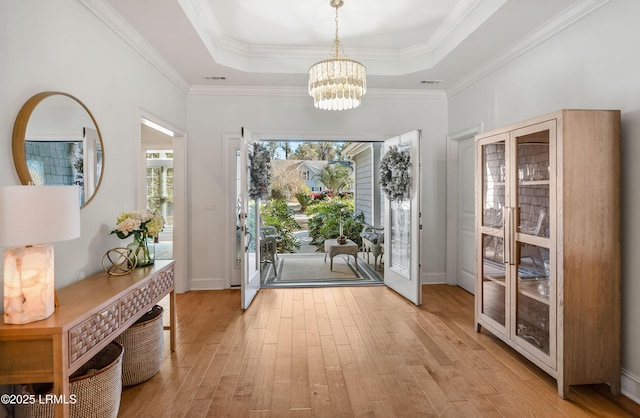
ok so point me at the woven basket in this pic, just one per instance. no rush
(143, 346)
(94, 389)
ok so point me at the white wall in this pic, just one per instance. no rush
(209, 116)
(60, 45)
(591, 64)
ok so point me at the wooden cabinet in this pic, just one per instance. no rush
(548, 243)
(92, 313)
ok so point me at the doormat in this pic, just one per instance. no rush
(311, 268)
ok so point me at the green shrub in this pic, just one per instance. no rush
(304, 199)
(325, 224)
(276, 213)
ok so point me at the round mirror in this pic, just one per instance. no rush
(56, 141)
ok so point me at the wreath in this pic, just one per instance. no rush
(259, 172)
(394, 173)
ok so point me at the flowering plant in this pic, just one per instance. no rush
(140, 224)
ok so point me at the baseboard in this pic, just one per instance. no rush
(207, 284)
(631, 386)
(433, 278)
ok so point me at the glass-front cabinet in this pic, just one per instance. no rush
(516, 204)
(548, 243)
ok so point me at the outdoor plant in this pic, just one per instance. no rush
(304, 199)
(336, 177)
(325, 224)
(276, 213)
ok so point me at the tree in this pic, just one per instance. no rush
(286, 147)
(305, 151)
(273, 146)
(336, 177)
(338, 148)
(286, 181)
(325, 150)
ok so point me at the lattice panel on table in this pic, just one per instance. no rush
(135, 302)
(91, 332)
(162, 283)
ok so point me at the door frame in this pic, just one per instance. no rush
(452, 199)
(180, 232)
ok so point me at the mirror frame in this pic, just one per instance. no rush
(20, 130)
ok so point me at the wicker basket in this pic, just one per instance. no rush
(143, 346)
(94, 389)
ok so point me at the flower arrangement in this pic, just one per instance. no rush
(394, 173)
(259, 172)
(142, 225)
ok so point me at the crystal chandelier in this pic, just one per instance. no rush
(337, 83)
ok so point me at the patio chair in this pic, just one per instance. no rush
(269, 246)
(373, 243)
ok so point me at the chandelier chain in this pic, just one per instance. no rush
(337, 46)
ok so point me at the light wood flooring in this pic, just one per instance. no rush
(349, 352)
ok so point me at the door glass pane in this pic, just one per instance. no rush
(239, 246)
(399, 257)
(251, 236)
(493, 184)
(493, 278)
(250, 239)
(533, 184)
(533, 295)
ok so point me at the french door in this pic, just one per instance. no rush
(248, 224)
(402, 226)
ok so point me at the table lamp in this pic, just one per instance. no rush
(32, 217)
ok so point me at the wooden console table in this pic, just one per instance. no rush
(92, 313)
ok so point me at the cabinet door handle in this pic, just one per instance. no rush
(512, 236)
(506, 250)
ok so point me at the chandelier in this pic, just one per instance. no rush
(337, 83)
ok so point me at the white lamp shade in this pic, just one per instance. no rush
(38, 214)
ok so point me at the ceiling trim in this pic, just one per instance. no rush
(465, 18)
(302, 92)
(115, 22)
(568, 17)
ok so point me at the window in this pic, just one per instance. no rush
(160, 183)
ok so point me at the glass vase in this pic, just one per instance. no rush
(144, 250)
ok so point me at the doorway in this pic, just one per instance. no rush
(293, 253)
(162, 188)
(461, 210)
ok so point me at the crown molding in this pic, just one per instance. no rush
(201, 90)
(115, 22)
(568, 17)
(465, 18)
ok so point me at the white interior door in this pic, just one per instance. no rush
(466, 215)
(402, 226)
(249, 220)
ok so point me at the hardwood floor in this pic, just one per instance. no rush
(349, 352)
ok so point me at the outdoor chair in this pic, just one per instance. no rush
(269, 246)
(373, 243)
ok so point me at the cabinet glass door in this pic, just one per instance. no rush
(493, 292)
(534, 288)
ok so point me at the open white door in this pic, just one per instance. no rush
(402, 226)
(248, 221)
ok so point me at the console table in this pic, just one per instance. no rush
(91, 313)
